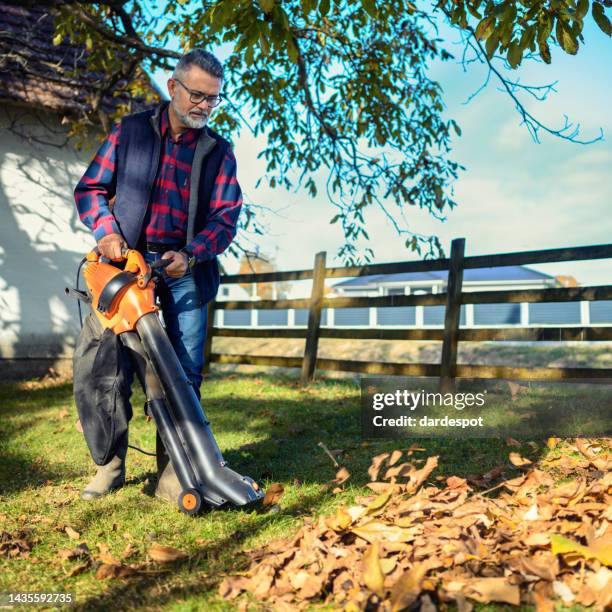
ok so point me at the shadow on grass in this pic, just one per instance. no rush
(288, 433)
(20, 472)
(210, 562)
(17, 398)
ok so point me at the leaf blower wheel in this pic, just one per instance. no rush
(190, 502)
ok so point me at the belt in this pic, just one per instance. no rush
(160, 247)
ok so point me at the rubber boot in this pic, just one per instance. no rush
(168, 486)
(110, 476)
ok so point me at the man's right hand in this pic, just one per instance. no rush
(111, 246)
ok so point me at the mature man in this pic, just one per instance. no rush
(176, 197)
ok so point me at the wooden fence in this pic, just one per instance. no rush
(448, 369)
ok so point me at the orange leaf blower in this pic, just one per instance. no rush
(123, 300)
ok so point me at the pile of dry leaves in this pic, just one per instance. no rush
(410, 545)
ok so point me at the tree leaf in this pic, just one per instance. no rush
(515, 54)
(566, 39)
(601, 19)
(544, 51)
(265, 45)
(485, 28)
(582, 8)
(492, 44)
(370, 8)
(266, 5)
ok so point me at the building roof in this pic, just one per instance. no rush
(36, 72)
(501, 274)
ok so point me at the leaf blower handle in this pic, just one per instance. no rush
(160, 263)
(95, 255)
(112, 246)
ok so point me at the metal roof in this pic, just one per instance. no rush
(504, 273)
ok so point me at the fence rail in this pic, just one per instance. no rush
(450, 335)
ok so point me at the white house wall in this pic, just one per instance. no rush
(41, 236)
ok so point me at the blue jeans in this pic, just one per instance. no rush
(184, 316)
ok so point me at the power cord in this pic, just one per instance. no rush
(142, 451)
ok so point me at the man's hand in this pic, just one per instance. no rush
(111, 246)
(179, 264)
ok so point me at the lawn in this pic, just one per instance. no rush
(267, 427)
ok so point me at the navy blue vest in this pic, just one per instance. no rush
(138, 159)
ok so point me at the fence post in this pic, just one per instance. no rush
(210, 324)
(314, 319)
(448, 365)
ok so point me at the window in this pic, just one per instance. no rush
(554, 312)
(497, 314)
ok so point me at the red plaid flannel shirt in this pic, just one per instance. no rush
(166, 219)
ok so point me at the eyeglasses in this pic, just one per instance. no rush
(197, 97)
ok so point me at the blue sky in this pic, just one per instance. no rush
(514, 194)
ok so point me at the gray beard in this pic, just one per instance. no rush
(189, 121)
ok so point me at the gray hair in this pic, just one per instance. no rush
(202, 59)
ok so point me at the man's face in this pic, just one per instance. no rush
(196, 80)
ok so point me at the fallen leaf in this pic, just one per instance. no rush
(273, 494)
(563, 591)
(537, 539)
(106, 571)
(561, 545)
(379, 503)
(341, 521)
(231, 587)
(388, 565)
(531, 514)
(109, 559)
(518, 461)
(418, 477)
(342, 475)
(79, 568)
(129, 550)
(543, 603)
(375, 531)
(165, 554)
(396, 455)
(377, 462)
(407, 587)
(486, 590)
(373, 576)
(72, 534)
(80, 551)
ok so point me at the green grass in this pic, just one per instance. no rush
(267, 427)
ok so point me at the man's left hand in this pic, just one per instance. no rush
(179, 264)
